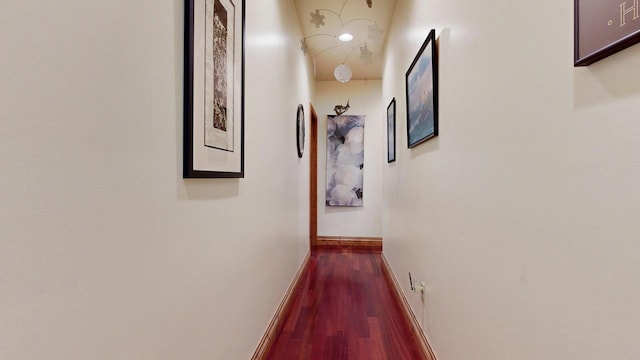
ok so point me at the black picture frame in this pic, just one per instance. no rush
(300, 130)
(213, 142)
(391, 131)
(604, 27)
(421, 82)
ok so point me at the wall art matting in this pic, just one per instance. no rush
(422, 94)
(345, 160)
(391, 131)
(214, 89)
(604, 27)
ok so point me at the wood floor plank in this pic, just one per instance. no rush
(344, 309)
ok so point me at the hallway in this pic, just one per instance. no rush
(344, 308)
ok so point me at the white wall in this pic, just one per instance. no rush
(105, 251)
(364, 99)
(522, 216)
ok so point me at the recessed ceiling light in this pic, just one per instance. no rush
(345, 37)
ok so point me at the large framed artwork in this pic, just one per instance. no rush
(604, 27)
(214, 89)
(391, 131)
(422, 94)
(345, 160)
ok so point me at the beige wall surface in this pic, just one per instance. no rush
(105, 251)
(522, 216)
(364, 99)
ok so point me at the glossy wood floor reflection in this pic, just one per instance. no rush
(344, 308)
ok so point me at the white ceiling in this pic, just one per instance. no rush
(352, 16)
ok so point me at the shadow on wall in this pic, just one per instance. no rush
(613, 77)
(341, 209)
(208, 189)
(431, 145)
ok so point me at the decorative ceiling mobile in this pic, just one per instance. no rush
(375, 32)
(342, 72)
(317, 19)
(366, 55)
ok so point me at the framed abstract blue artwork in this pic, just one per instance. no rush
(422, 94)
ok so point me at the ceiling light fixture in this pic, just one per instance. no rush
(345, 37)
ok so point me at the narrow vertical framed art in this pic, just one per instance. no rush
(214, 89)
(345, 160)
(391, 131)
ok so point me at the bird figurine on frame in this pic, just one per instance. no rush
(341, 109)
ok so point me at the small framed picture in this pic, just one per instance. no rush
(422, 94)
(300, 131)
(391, 131)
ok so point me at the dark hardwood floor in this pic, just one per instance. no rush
(344, 308)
